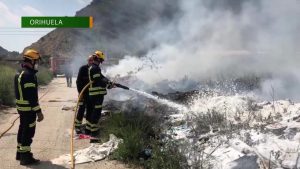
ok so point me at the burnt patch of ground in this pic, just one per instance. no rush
(178, 97)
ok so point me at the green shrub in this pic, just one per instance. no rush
(138, 133)
(132, 145)
(7, 74)
(166, 156)
(44, 76)
(134, 130)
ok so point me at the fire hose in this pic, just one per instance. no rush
(13, 123)
(75, 114)
(73, 125)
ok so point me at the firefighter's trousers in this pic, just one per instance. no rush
(84, 105)
(26, 131)
(93, 120)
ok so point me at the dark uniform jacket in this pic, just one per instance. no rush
(26, 90)
(82, 77)
(100, 82)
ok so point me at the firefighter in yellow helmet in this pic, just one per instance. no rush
(26, 92)
(97, 91)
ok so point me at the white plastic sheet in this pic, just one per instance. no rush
(94, 152)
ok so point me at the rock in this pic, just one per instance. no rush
(106, 113)
(145, 154)
(296, 118)
(66, 108)
(290, 133)
(245, 162)
(263, 103)
(276, 128)
(290, 161)
(246, 151)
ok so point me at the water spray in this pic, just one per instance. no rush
(160, 100)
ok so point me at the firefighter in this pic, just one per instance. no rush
(68, 74)
(84, 104)
(26, 91)
(97, 91)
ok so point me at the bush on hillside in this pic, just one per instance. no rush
(44, 76)
(7, 74)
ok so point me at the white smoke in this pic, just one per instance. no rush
(224, 38)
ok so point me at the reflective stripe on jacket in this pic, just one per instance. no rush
(98, 87)
(26, 91)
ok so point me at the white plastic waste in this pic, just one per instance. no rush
(93, 153)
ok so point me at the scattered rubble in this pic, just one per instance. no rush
(68, 108)
(276, 128)
(54, 100)
(234, 131)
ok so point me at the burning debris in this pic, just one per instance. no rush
(178, 97)
(231, 131)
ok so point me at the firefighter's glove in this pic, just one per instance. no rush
(40, 116)
(110, 85)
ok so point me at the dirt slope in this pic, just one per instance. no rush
(119, 29)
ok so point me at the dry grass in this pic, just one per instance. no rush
(6, 85)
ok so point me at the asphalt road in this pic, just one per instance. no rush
(52, 137)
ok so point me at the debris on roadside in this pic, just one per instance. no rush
(94, 152)
(67, 108)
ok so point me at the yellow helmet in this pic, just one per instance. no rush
(31, 54)
(100, 54)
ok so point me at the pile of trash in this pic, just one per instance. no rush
(228, 131)
(94, 152)
(255, 135)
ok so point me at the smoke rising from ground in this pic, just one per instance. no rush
(226, 38)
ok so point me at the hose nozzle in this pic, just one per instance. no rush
(121, 86)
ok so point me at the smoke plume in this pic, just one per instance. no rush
(225, 38)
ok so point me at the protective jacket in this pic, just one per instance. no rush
(100, 82)
(26, 91)
(82, 77)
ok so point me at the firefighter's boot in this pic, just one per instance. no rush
(96, 140)
(28, 159)
(95, 137)
(18, 156)
(87, 132)
(78, 130)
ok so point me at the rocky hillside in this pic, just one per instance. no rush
(119, 29)
(6, 54)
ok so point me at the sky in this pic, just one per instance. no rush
(15, 38)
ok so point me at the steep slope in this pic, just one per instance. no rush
(119, 29)
(6, 54)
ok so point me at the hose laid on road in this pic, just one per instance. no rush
(13, 123)
(73, 125)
